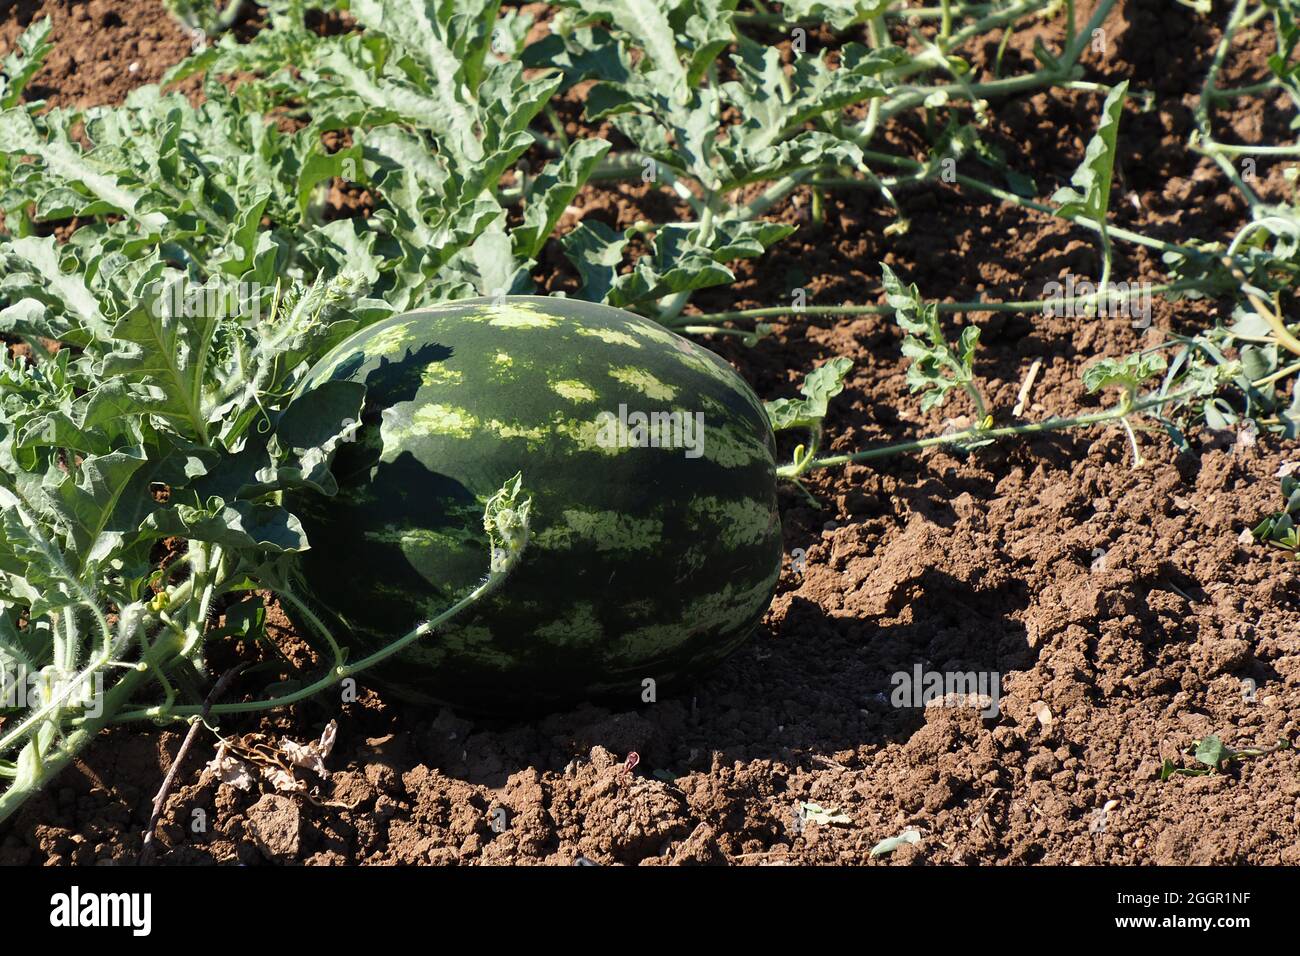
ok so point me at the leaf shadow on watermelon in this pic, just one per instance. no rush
(331, 567)
(388, 384)
(392, 382)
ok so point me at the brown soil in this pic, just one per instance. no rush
(1119, 606)
(103, 48)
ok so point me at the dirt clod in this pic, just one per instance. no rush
(275, 825)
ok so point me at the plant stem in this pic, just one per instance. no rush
(1283, 334)
(166, 647)
(674, 304)
(227, 18)
(1229, 149)
(146, 851)
(1120, 411)
(905, 13)
(337, 673)
(1032, 305)
(300, 605)
(773, 195)
(1107, 258)
(977, 399)
(1277, 376)
(1204, 120)
(561, 137)
(1116, 232)
(879, 35)
(1236, 92)
(991, 21)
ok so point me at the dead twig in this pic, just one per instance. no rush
(828, 762)
(1026, 387)
(983, 817)
(147, 851)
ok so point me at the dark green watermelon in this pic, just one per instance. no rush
(643, 562)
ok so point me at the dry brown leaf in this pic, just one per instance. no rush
(238, 758)
(283, 780)
(229, 770)
(311, 755)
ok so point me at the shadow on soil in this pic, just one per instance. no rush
(814, 687)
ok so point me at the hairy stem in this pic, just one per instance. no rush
(1029, 305)
(1120, 411)
(336, 674)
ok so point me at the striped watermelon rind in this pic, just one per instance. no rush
(643, 563)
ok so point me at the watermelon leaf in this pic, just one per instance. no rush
(1128, 373)
(1090, 196)
(648, 21)
(239, 525)
(839, 14)
(818, 388)
(24, 62)
(551, 192)
(937, 366)
(67, 167)
(596, 251)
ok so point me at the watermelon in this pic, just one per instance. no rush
(655, 541)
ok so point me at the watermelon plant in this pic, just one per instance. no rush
(1279, 529)
(204, 20)
(144, 458)
(715, 113)
(153, 427)
(279, 325)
